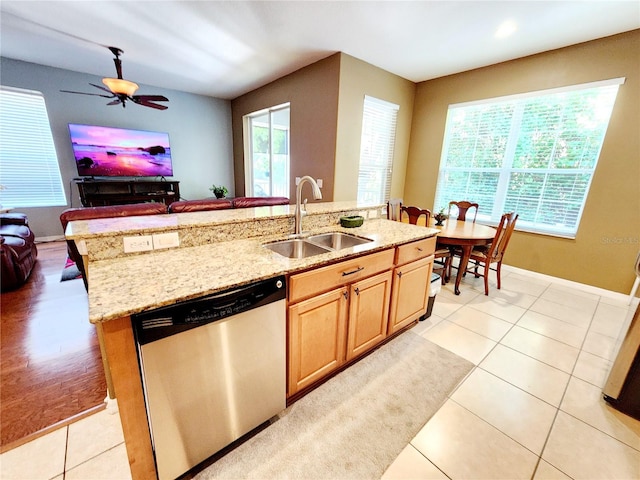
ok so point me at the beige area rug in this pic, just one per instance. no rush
(356, 424)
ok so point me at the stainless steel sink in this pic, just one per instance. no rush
(338, 240)
(296, 248)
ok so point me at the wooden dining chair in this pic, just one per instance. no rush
(442, 254)
(463, 207)
(414, 214)
(394, 209)
(494, 252)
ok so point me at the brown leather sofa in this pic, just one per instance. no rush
(200, 205)
(18, 250)
(139, 209)
(224, 203)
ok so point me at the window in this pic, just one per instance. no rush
(29, 170)
(267, 147)
(534, 154)
(378, 139)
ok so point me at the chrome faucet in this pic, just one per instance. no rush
(317, 195)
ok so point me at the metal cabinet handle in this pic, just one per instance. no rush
(419, 249)
(345, 294)
(359, 269)
(357, 290)
(399, 274)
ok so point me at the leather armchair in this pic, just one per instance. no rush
(17, 249)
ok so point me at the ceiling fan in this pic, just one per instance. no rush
(122, 90)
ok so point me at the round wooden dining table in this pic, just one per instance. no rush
(466, 235)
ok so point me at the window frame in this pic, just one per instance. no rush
(248, 122)
(506, 166)
(28, 156)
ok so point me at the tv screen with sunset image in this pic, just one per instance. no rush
(119, 152)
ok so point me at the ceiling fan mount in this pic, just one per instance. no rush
(121, 90)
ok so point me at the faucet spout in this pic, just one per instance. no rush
(317, 194)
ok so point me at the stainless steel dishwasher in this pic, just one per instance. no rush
(213, 369)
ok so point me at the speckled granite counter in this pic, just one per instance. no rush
(123, 285)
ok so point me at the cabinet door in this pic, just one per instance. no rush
(368, 313)
(410, 294)
(317, 334)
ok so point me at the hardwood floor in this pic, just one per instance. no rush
(50, 366)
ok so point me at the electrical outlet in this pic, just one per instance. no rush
(319, 182)
(297, 181)
(140, 243)
(166, 240)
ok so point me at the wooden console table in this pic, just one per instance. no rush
(96, 193)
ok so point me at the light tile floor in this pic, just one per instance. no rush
(531, 408)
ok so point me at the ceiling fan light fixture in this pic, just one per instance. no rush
(120, 86)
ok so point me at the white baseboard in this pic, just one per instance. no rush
(568, 283)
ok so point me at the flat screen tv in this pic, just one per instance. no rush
(119, 152)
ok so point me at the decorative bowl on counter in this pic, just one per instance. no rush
(352, 221)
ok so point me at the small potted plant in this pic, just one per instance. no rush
(219, 191)
(440, 217)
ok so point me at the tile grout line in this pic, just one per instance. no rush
(66, 450)
(564, 393)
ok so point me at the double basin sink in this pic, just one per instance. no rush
(316, 244)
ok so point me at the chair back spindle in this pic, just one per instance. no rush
(494, 252)
(414, 214)
(394, 209)
(463, 207)
(503, 235)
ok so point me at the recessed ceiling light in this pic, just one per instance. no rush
(506, 29)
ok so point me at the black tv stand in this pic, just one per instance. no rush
(96, 193)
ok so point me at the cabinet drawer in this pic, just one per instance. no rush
(415, 250)
(304, 285)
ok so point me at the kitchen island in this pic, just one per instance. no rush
(225, 249)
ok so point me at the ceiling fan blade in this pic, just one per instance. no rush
(157, 106)
(102, 88)
(154, 98)
(84, 93)
(147, 101)
(114, 102)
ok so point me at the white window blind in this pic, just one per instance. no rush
(534, 154)
(29, 170)
(377, 144)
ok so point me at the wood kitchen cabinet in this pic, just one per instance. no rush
(368, 313)
(411, 282)
(317, 332)
(332, 306)
(339, 312)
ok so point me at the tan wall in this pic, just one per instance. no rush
(357, 79)
(313, 94)
(608, 239)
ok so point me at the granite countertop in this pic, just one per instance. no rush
(106, 227)
(127, 285)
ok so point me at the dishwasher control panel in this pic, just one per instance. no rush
(166, 321)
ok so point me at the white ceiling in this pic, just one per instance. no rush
(226, 48)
